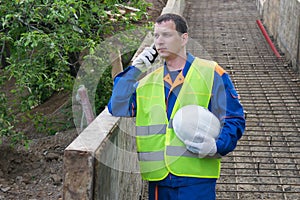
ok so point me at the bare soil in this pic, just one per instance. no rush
(36, 172)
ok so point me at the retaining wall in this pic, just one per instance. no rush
(101, 162)
(282, 19)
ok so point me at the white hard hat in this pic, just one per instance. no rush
(192, 119)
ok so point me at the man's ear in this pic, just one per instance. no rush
(184, 38)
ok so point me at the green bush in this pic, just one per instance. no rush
(5, 117)
(46, 41)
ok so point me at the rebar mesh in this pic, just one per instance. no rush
(265, 164)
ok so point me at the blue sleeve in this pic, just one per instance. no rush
(122, 102)
(226, 106)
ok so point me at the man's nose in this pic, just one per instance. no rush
(159, 40)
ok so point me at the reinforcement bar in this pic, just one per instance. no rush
(266, 162)
(263, 30)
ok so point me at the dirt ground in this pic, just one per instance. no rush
(36, 172)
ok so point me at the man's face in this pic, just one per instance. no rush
(169, 43)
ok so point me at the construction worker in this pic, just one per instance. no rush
(176, 168)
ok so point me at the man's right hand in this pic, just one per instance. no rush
(144, 59)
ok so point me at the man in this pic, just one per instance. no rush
(155, 99)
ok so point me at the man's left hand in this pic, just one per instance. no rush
(202, 145)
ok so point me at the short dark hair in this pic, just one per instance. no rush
(180, 22)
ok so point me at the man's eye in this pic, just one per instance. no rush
(166, 34)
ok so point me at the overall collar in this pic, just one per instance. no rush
(188, 63)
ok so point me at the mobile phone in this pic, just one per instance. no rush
(154, 55)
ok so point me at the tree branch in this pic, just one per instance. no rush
(1, 54)
(29, 25)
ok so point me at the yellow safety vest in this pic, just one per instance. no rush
(160, 151)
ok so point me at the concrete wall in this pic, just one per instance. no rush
(79, 158)
(116, 165)
(282, 19)
(101, 163)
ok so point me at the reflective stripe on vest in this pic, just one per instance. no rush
(151, 156)
(151, 130)
(159, 150)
